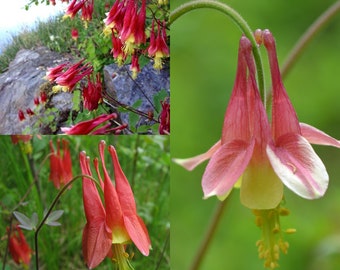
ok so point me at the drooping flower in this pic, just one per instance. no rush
(134, 67)
(110, 228)
(74, 34)
(164, 118)
(73, 8)
(158, 48)
(292, 157)
(92, 93)
(87, 127)
(18, 247)
(117, 50)
(261, 158)
(241, 152)
(53, 73)
(69, 78)
(21, 115)
(60, 164)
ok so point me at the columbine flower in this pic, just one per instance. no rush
(21, 115)
(18, 247)
(92, 93)
(69, 78)
(110, 228)
(74, 34)
(73, 8)
(292, 157)
(87, 127)
(117, 50)
(164, 118)
(260, 159)
(135, 66)
(53, 73)
(247, 150)
(241, 150)
(60, 165)
(158, 48)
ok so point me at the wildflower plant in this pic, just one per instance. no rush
(38, 218)
(127, 32)
(262, 147)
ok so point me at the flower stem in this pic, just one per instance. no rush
(306, 38)
(56, 199)
(209, 235)
(237, 19)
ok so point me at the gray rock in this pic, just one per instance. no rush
(19, 85)
(121, 86)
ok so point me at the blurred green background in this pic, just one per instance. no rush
(145, 161)
(203, 64)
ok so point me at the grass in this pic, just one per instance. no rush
(145, 161)
(54, 34)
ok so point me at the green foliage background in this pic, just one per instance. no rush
(145, 161)
(203, 64)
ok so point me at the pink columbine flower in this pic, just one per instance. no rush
(292, 157)
(112, 225)
(92, 93)
(249, 151)
(87, 127)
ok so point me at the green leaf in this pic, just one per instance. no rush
(158, 97)
(53, 217)
(26, 222)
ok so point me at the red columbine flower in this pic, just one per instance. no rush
(30, 112)
(87, 127)
(43, 97)
(18, 247)
(92, 93)
(115, 17)
(134, 67)
(158, 48)
(21, 115)
(53, 73)
(292, 157)
(164, 118)
(74, 34)
(60, 165)
(110, 228)
(117, 50)
(73, 8)
(86, 11)
(68, 79)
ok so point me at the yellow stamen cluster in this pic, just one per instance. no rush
(121, 257)
(271, 243)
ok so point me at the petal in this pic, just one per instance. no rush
(261, 188)
(133, 223)
(96, 243)
(316, 136)
(191, 163)
(298, 166)
(226, 166)
(138, 233)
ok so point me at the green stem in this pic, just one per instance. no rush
(209, 235)
(237, 19)
(306, 38)
(56, 199)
